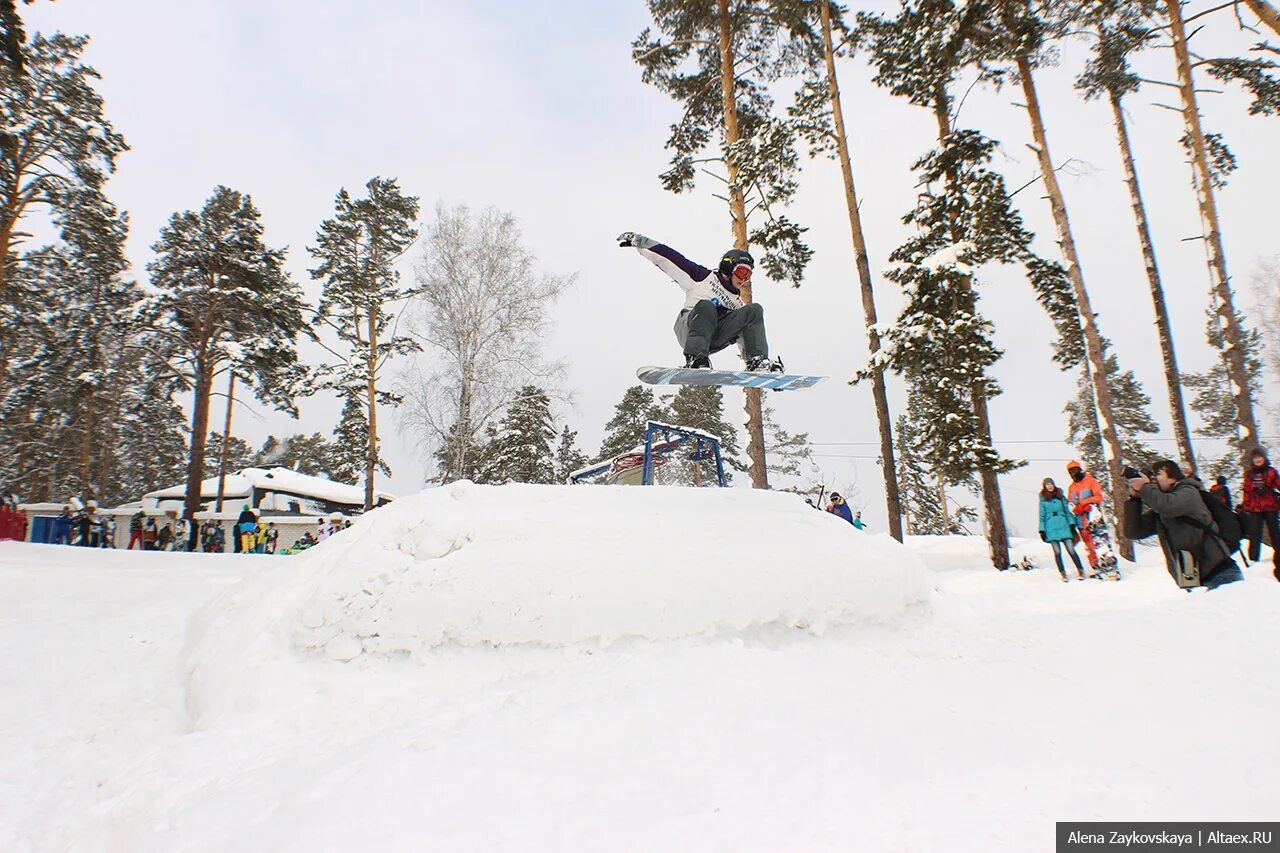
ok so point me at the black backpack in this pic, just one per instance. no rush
(1229, 530)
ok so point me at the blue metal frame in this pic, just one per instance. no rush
(652, 428)
(704, 447)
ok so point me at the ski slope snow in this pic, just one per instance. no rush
(584, 668)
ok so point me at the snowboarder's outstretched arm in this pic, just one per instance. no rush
(682, 271)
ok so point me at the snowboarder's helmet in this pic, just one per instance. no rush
(732, 258)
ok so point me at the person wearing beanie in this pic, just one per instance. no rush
(1221, 491)
(1084, 493)
(1261, 506)
(840, 508)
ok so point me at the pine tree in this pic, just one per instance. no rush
(225, 302)
(702, 408)
(920, 503)
(1236, 335)
(625, 430)
(717, 62)
(239, 455)
(351, 439)
(13, 36)
(789, 453)
(1013, 39)
(357, 250)
(1266, 12)
(521, 449)
(1132, 420)
(152, 449)
(55, 142)
(1212, 400)
(75, 347)
(941, 342)
(568, 457)
(1122, 29)
(819, 116)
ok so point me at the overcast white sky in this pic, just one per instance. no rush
(536, 108)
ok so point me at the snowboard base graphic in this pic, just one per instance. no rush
(729, 378)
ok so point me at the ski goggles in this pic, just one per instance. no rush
(742, 272)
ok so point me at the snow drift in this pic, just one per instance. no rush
(490, 566)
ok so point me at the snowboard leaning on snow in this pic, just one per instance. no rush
(1108, 567)
(739, 378)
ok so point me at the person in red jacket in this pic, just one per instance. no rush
(1262, 506)
(1084, 493)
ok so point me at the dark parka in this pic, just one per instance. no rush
(1179, 518)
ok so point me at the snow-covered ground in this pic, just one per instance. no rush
(619, 668)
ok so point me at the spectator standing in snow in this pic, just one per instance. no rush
(273, 537)
(84, 521)
(135, 530)
(1171, 508)
(322, 530)
(857, 521)
(1261, 507)
(1221, 491)
(62, 526)
(166, 537)
(247, 521)
(150, 535)
(840, 508)
(13, 521)
(1059, 526)
(1084, 494)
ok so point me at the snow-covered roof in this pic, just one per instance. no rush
(242, 483)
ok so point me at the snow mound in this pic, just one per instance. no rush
(467, 565)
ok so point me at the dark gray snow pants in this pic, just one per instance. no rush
(701, 331)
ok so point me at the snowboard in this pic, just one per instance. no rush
(1108, 567)
(733, 378)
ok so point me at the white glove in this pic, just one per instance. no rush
(631, 239)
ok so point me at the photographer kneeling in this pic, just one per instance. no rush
(1172, 508)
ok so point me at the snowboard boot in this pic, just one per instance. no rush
(763, 364)
(697, 362)
(1081, 573)
(1064, 577)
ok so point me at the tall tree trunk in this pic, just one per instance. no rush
(992, 502)
(1268, 14)
(1093, 340)
(462, 430)
(755, 419)
(1172, 379)
(226, 440)
(942, 502)
(888, 465)
(199, 436)
(371, 450)
(86, 447)
(1237, 369)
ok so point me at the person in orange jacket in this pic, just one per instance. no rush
(1084, 493)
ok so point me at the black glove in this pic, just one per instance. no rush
(1043, 538)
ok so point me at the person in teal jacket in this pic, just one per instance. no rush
(1058, 526)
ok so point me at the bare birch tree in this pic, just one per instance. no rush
(481, 316)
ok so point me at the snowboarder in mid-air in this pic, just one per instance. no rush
(714, 314)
